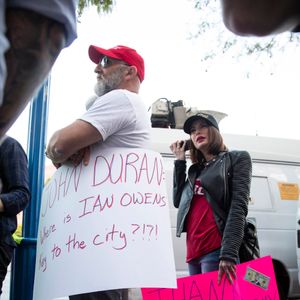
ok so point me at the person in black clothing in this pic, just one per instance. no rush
(212, 198)
(14, 196)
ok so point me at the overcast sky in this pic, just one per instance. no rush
(259, 103)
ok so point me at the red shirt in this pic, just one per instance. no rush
(203, 235)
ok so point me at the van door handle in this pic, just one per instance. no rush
(298, 222)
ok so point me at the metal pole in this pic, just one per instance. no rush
(23, 265)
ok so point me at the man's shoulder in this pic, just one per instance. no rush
(8, 142)
(117, 93)
(122, 93)
(6, 139)
(118, 98)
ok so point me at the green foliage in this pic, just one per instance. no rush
(103, 6)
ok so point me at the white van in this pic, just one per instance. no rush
(274, 199)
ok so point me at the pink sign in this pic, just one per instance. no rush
(255, 281)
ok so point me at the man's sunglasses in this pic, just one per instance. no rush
(106, 62)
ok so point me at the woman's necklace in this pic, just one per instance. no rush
(209, 162)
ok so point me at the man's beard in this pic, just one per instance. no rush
(109, 83)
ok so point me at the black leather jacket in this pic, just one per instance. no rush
(226, 184)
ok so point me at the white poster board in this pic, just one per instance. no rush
(105, 226)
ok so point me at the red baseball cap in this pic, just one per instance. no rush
(123, 53)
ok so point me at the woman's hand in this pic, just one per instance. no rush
(228, 269)
(178, 149)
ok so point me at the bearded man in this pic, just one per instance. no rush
(117, 117)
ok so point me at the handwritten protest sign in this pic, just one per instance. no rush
(105, 226)
(255, 281)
